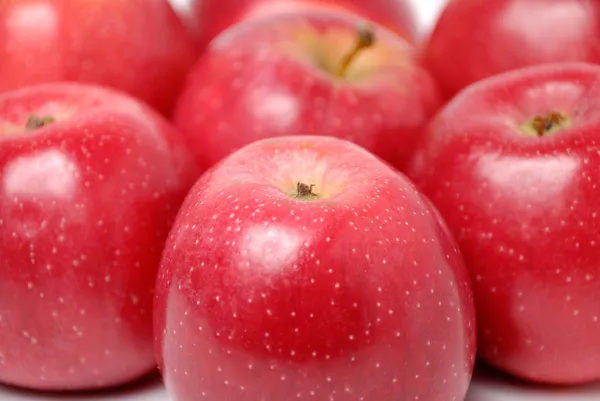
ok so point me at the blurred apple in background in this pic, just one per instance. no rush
(305, 268)
(513, 165)
(307, 73)
(90, 181)
(214, 16)
(138, 46)
(475, 39)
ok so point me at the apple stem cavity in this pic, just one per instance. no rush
(366, 39)
(544, 125)
(305, 191)
(36, 122)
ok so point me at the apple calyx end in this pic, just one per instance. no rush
(541, 126)
(366, 38)
(305, 192)
(35, 122)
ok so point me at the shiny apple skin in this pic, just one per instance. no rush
(523, 210)
(254, 83)
(85, 206)
(137, 46)
(214, 16)
(503, 35)
(263, 296)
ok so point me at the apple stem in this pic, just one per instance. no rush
(543, 125)
(35, 122)
(304, 191)
(366, 39)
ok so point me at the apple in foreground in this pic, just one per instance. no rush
(305, 267)
(211, 17)
(503, 35)
(513, 164)
(306, 73)
(91, 180)
(137, 46)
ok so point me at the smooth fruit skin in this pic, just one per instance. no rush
(524, 210)
(358, 295)
(86, 203)
(264, 79)
(503, 35)
(137, 46)
(214, 16)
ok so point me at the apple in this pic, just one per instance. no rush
(306, 73)
(305, 267)
(90, 182)
(137, 46)
(512, 164)
(214, 16)
(503, 35)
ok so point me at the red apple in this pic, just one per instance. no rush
(304, 267)
(214, 16)
(503, 35)
(306, 73)
(90, 182)
(513, 165)
(138, 46)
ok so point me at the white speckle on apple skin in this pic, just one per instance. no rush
(306, 296)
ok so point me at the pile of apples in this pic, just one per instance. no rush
(295, 199)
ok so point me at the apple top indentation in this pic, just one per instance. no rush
(344, 50)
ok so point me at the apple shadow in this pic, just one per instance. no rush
(489, 377)
(139, 388)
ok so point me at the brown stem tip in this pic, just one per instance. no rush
(366, 39)
(548, 123)
(304, 191)
(35, 122)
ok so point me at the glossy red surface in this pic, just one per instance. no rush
(475, 39)
(85, 206)
(214, 16)
(358, 295)
(524, 209)
(106, 42)
(267, 79)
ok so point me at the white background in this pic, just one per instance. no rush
(485, 387)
